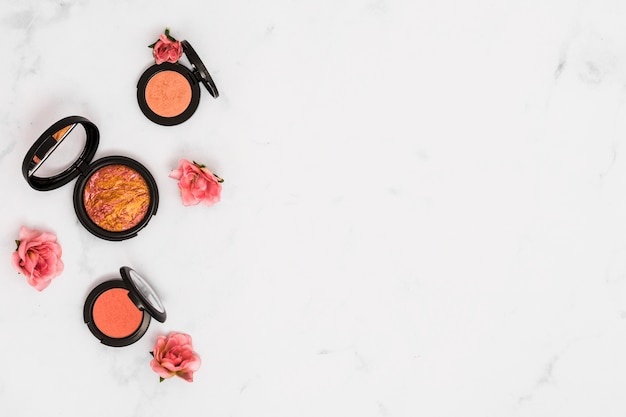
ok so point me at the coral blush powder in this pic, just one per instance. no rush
(168, 93)
(115, 315)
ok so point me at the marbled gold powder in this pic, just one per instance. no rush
(116, 198)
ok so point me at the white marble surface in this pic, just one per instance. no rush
(424, 211)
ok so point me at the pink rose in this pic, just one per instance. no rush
(167, 50)
(197, 184)
(38, 257)
(174, 356)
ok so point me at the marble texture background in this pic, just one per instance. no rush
(423, 214)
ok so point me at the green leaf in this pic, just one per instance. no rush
(161, 379)
(167, 34)
(17, 242)
(152, 353)
(152, 46)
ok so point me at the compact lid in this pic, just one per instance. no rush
(142, 294)
(48, 142)
(200, 70)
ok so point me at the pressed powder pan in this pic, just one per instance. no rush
(169, 94)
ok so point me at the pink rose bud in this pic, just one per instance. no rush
(174, 356)
(197, 184)
(38, 257)
(166, 50)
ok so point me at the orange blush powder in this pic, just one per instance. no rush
(168, 93)
(115, 315)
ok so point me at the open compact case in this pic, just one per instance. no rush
(115, 196)
(118, 312)
(169, 94)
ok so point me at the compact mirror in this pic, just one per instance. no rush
(201, 70)
(58, 151)
(142, 294)
(146, 291)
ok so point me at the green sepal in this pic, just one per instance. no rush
(161, 379)
(17, 242)
(167, 34)
(202, 166)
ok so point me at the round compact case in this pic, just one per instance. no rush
(118, 311)
(115, 196)
(169, 94)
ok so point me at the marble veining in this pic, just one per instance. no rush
(423, 210)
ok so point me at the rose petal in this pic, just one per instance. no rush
(38, 257)
(174, 355)
(162, 372)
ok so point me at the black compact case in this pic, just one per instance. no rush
(198, 74)
(83, 167)
(140, 293)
